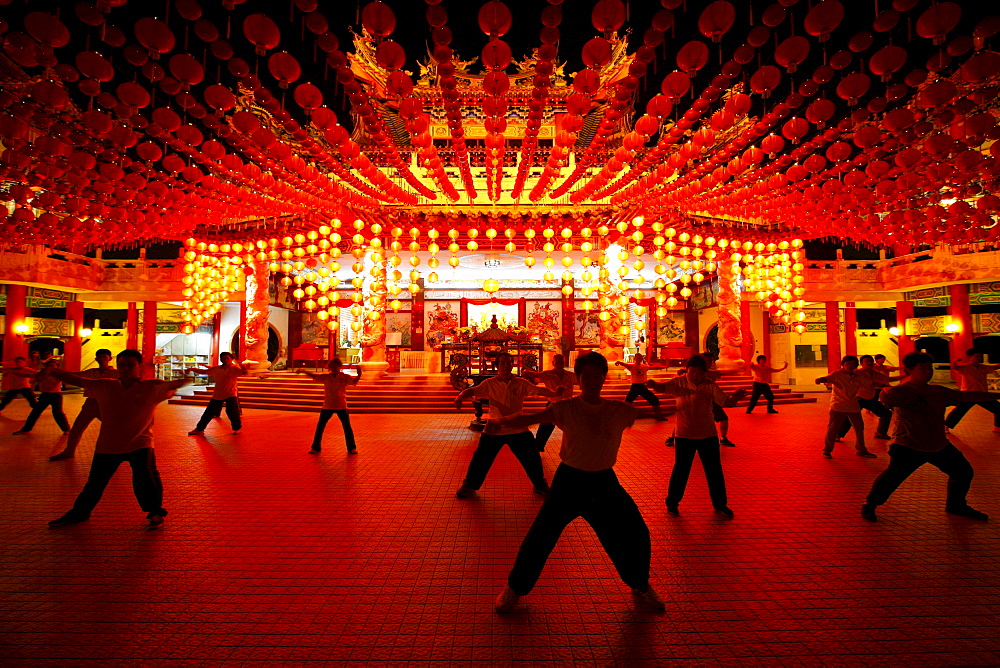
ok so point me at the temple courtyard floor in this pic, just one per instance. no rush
(272, 555)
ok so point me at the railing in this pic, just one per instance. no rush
(37, 264)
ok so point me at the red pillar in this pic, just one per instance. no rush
(148, 334)
(832, 336)
(241, 353)
(904, 311)
(746, 350)
(691, 337)
(961, 314)
(851, 329)
(765, 345)
(216, 336)
(17, 311)
(132, 327)
(568, 333)
(73, 350)
(416, 319)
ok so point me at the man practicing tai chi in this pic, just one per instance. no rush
(762, 383)
(126, 405)
(639, 371)
(225, 376)
(696, 435)
(918, 438)
(18, 380)
(334, 401)
(868, 398)
(553, 379)
(972, 377)
(89, 411)
(846, 383)
(506, 393)
(584, 485)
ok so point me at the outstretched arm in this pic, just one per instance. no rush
(546, 392)
(314, 376)
(463, 395)
(357, 378)
(658, 387)
(520, 421)
(823, 380)
(180, 382)
(735, 397)
(979, 396)
(71, 378)
(782, 368)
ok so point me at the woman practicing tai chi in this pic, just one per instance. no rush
(918, 438)
(50, 395)
(18, 380)
(334, 401)
(126, 404)
(696, 395)
(584, 485)
(89, 411)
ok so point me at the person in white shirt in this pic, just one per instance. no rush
(639, 371)
(335, 386)
(846, 382)
(18, 380)
(225, 376)
(973, 377)
(127, 404)
(695, 433)
(919, 437)
(506, 393)
(90, 410)
(762, 383)
(50, 394)
(553, 379)
(867, 398)
(584, 485)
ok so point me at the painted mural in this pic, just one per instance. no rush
(669, 330)
(398, 323)
(587, 329)
(442, 321)
(544, 320)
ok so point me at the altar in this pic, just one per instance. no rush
(476, 356)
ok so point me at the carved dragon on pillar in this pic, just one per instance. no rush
(730, 331)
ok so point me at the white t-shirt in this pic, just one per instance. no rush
(846, 386)
(918, 414)
(694, 406)
(875, 379)
(761, 373)
(592, 433)
(972, 377)
(126, 413)
(552, 381)
(16, 381)
(335, 390)
(225, 380)
(639, 372)
(506, 399)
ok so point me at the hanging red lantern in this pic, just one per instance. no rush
(716, 20)
(186, 69)
(50, 94)
(47, 29)
(659, 106)
(378, 19)
(823, 19)
(692, 56)
(262, 32)
(496, 83)
(155, 35)
(495, 18)
(94, 66)
(795, 129)
(675, 85)
(219, 98)
(132, 95)
(284, 67)
(765, 80)
(390, 55)
(887, 61)
(791, 52)
(587, 82)
(982, 66)
(939, 19)
(937, 94)
(496, 55)
(853, 86)
(399, 84)
(596, 53)
(820, 111)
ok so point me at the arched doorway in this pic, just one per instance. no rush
(711, 343)
(273, 344)
(936, 347)
(45, 347)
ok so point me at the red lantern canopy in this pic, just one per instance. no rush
(716, 20)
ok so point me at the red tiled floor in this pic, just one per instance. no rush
(270, 554)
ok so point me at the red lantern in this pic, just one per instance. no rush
(390, 55)
(496, 83)
(186, 69)
(791, 52)
(608, 16)
(853, 86)
(495, 18)
(587, 82)
(716, 20)
(284, 68)
(938, 21)
(823, 18)
(765, 80)
(496, 55)
(47, 29)
(596, 53)
(219, 98)
(155, 35)
(887, 61)
(675, 85)
(692, 56)
(262, 32)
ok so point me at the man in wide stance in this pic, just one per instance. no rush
(126, 404)
(918, 438)
(584, 485)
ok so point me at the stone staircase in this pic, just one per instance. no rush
(405, 393)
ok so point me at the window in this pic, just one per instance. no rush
(810, 356)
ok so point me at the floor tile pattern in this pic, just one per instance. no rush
(272, 555)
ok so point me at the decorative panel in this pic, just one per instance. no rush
(441, 321)
(927, 326)
(670, 329)
(49, 327)
(544, 320)
(398, 323)
(586, 327)
(986, 323)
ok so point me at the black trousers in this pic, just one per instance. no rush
(543, 432)
(214, 408)
(959, 411)
(707, 450)
(903, 461)
(597, 497)
(345, 420)
(878, 409)
(10, 395)
(522, 444)
(755, 394)
(145, 481)
(640, 390)
(46, 399)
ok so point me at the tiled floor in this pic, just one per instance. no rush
(270, 554)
